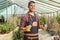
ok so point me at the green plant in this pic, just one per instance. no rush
(18, 35)
(6, 27)
(53, 21)
(43, 19)
(12, 27)
(58, 18)
(56, 30)
(1, 27)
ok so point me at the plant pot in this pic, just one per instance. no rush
(2, 32)
(41, 27)
(7, 36)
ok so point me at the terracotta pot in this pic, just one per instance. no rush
(41, 26)
(2, 32)
(6, 36)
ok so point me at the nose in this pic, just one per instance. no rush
(33, 7)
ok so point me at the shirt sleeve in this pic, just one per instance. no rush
(22, 22)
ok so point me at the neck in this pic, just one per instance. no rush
(31, 13)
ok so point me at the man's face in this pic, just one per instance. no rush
(32, 7)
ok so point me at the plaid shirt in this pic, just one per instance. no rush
(24, 20)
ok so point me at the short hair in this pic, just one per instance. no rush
(30, 2)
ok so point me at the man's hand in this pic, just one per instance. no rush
(23, 28)
(27, 28)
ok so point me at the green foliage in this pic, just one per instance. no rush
(53, 21)
(1, 27)
(12, 27)
(58, 18)
(18, 35)
(55, 26)
(6, 27)
(43, 19)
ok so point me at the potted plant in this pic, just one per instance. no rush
(5, 28)
(43, 21)
(6, 31)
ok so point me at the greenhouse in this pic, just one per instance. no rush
(13, 18)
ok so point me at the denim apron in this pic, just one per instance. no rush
(33, 30)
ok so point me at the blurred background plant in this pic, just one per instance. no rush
(9, 25)
(6, 28)
(43, 22)
(18, 35)
(55, 25)
(43, 19)
(58, 18)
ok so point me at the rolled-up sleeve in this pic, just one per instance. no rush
(22, 22)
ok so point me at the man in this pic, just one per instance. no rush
(30, 18)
